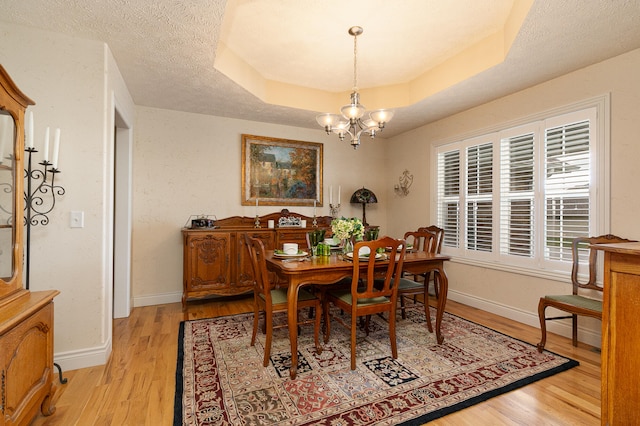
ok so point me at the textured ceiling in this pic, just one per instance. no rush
(166, 49)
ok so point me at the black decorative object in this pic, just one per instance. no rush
(364, 196)
(38, 203)
(39, 200)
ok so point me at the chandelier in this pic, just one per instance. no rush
(351, 121)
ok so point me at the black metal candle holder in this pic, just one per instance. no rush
(39, 200)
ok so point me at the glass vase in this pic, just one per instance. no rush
(347, 245)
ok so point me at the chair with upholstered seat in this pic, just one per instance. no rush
(422, 241)
(577, 304)
(370, 293)
(270, 300)
(439, 233)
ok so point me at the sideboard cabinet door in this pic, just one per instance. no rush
(206, 264)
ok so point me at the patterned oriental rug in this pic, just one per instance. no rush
(220, 379)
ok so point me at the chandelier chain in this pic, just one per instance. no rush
(355, 63)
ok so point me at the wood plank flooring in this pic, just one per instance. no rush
(136, 386)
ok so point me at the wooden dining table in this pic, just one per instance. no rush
(325, 270)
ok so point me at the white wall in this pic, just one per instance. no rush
(186, 164)
(75, 84)
(508, 294)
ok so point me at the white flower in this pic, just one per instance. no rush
(344, 228)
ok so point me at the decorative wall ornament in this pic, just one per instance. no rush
(405, 181)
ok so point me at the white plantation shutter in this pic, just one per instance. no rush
(517, 197)
(479, 197)
(449, 196)
(566, 187)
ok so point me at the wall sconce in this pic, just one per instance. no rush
(402, 189)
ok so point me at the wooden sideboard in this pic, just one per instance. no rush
(26, 357)
(620, 334)
(216, 260)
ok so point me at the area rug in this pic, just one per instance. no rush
(220, 379)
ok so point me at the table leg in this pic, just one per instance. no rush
(441, 281)
(292, 318)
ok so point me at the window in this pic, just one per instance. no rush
(518, 196)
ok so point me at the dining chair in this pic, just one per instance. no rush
(269, 300)
(369, 293)
(439, 232)
(577, 304)
(422, 241)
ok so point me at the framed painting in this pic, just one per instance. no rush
(281, 172)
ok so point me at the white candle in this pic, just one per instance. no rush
(331, 194)
(30, 135)
(46, 145)
(338, 194)
(56, 147)
(314, 207)
(256, 207)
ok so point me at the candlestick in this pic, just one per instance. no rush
(30, 135)
(56, 148)
(334, 209)
(46, 145)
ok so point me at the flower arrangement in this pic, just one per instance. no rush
(345, 229)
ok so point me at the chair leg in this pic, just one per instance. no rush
(353, 341)
(402, 307)
(327, 320)
(543, 324)
(269, 331)
(574, 329)
(256, 319)
(316, 329)
(427, 312)
(436, 288)
(392, 334)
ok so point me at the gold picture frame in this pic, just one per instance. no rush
(281, 172)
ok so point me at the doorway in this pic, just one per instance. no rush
(123, 153)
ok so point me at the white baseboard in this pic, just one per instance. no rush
(74, 360)
(157, 299)
(561, 328)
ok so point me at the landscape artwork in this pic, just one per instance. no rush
(281, 172)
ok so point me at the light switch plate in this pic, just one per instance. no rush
(76, 220)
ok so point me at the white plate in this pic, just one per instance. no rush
(378, 256)
(284, 256)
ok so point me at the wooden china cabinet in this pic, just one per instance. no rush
(620, 334)
(216, 260)
(26, 317)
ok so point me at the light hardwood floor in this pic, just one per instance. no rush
(137, 386)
